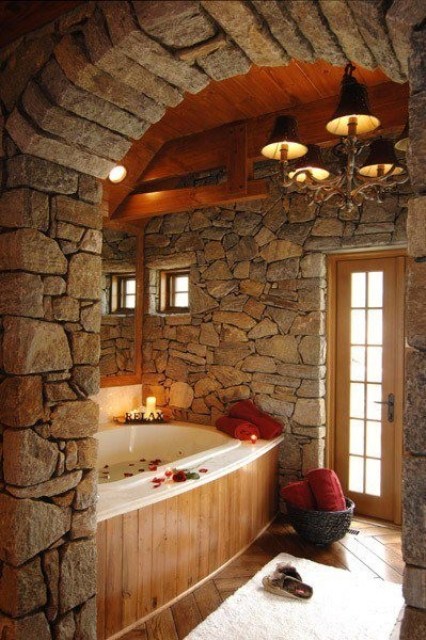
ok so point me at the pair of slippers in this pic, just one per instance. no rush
(286, 581)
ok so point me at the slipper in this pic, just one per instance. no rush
(286, 581)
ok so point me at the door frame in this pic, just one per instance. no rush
(332, 262)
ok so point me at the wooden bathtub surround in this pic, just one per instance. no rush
(149, 557)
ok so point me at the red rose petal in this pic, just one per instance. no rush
(203, 470)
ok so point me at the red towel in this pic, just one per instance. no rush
(299, 494)
(247, 410)
(327, 490)
(240, 429)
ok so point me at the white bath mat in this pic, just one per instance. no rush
(344, 607)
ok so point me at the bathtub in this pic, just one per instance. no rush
(156, 543)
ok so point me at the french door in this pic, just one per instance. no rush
(367, 351)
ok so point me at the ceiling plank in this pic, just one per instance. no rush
(146, 205)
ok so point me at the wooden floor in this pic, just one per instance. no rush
(374, 552)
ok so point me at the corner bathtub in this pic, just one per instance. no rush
(155, 544)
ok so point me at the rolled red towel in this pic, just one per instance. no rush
(327, 490)
(236, 428)
(247, 410)
(299, 494)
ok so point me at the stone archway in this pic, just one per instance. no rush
(73, 98)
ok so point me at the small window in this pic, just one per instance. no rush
(174, 291)
(123, 293)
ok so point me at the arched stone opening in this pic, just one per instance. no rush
(72, 100)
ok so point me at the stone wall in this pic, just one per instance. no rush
(117, 330)
(50, 241)
(258, 299)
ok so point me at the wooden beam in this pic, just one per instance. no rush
(146, 205)
(210, 149)
(237, 160)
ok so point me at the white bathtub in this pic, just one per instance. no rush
(182, 445)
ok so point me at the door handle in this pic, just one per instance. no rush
(390, 402)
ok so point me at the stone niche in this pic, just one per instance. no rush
(256, 328)
(119, 256)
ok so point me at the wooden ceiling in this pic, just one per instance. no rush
(310, 91)
(19, 17)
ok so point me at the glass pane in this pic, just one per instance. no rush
(374, 395)
(181, 283)
(358, 290)
(130, 302)
(356, 439)
(131, 286)
(181, 300)
(374, 327)
(356, 400)
(357, 327)
(374, 364)
(356, 474)
(374, 439)
(375, 289)
(358, 364)
(372, 477)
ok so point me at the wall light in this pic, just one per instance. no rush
(117, 174)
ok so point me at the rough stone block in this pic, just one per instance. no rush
(247, 30)
(415, 402)
(76, 212)
(126, 35)
(415, 587)
(33, 346)
(181, 395)
(37, 457)
(32, 141)
(65, 627)
(280, 250)
(21, 294)
(23, 530)
(275, 407)
(255, 363)
(78, 574)
(35, 626)
(83, 524)
(312, 349)
(309, 412)
(87, 449)
(414, 511)
(24, 208)
(84, 277)
(225, 62)
(85, 348)
(51, 572)
(21, 401)
(30, 250)
(54, 487)
(285, 30)
(23, 170)
(77, 419)
(22, 589)
(66, 309)
(413, 626)
(87, 379)
(283, 348)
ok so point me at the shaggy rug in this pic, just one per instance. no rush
(344, 607)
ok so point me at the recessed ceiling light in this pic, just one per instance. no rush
(118, 173)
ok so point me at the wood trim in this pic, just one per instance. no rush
(400, 369)
(150, 557)
(145, 205)
(136, 377)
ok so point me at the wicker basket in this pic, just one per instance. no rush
(321, 527)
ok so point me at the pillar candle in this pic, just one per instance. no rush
(151, 404)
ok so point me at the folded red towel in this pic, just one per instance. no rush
(327, 490)
(299, 494)
(247, 410)
(240, 429)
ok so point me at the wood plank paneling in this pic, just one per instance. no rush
(148, 557)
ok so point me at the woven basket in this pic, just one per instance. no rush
(321, 527)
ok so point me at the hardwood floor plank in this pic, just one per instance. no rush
(383, 570)
(136, 634)
(229, 584)
(161, 627)
(207, 598)
(389, 538)
(384, 553)
(186, 615)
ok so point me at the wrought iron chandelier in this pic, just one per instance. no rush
(380, 172)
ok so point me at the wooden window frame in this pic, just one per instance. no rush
(117, 294)
(167, 292)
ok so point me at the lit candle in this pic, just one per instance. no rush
(151, 405)
(253, 438)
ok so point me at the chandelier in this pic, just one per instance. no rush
(353, 182)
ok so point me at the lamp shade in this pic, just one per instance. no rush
(352, 108)
(311, 162)
(285, 134)
(381, 160)
(404, 139)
